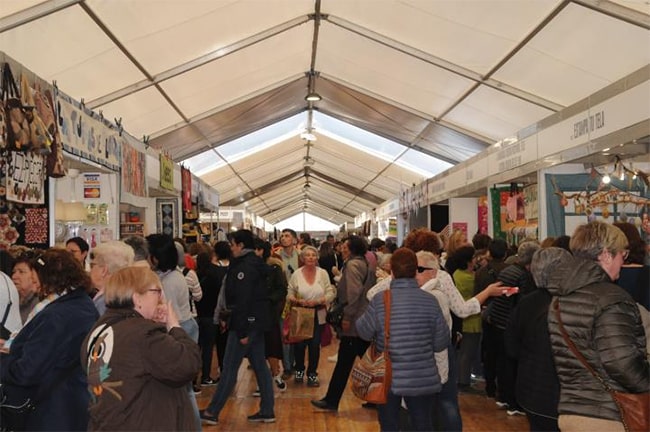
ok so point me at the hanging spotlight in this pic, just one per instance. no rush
(313, 97)
(606, 179)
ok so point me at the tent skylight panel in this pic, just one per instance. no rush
(246, 145)
(376, 145)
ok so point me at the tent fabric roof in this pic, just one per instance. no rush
(442, 79)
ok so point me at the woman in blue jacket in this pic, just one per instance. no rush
(418, 330)
(43, 361)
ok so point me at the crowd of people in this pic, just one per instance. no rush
(123, 336)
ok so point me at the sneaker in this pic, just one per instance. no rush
(257, 393)
(312, 381)
(502, 404)
(208, 382)
(299, 376)
(208, 418)
(261, 418)
(279, 382)
(197, 389)
(515, 411)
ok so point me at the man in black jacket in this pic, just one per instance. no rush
(247, 297)
(537, 388)
(485, 276)
(498, 315)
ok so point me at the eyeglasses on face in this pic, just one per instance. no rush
(625, 253)
(423, 269)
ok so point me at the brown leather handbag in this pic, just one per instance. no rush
(634, 408)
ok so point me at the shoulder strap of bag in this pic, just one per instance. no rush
(387, 295)
(573, 348)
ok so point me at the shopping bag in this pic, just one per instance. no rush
(299, 325)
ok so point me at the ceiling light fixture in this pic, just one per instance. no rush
(312, 96)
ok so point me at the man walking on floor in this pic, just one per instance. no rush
(247, 297)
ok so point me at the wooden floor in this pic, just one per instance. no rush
(294, 412)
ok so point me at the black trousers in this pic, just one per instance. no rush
(349, 348)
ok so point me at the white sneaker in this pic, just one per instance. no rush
(333, 358)
(279, 382)
(514, 412)
(501, 404)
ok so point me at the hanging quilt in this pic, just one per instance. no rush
(26, 178)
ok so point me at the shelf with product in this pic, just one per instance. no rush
(131, 222)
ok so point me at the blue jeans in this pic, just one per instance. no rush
(192, 329)
(446, 411)
(419, 409)
(235, 353)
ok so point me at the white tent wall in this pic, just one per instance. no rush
(440, 79)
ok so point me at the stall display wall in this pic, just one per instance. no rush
(575, 199)
(22, 222)
(98, 194)
(509, 215)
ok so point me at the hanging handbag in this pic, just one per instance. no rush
(372, 374)
(634, 408)
(334, 315)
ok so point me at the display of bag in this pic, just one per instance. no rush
(25, 129)
(371, 375)
(634, 408)
(299, 325)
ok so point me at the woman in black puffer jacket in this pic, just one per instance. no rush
(603, 322)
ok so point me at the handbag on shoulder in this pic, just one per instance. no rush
(371, 375)
(634, 408)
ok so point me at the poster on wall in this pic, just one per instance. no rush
(167, 217)
(509, 215)
(26, 178)
(92, 185)
(166, 172)
(133, 171)
(459, 226)
(186, 185)
(483, 215)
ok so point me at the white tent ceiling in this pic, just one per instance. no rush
(442, 79)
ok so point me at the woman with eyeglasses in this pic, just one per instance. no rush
(79, 248)
(603, 322)
(43, 361)
(138, 359)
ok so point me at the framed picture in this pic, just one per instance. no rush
(167, 216)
